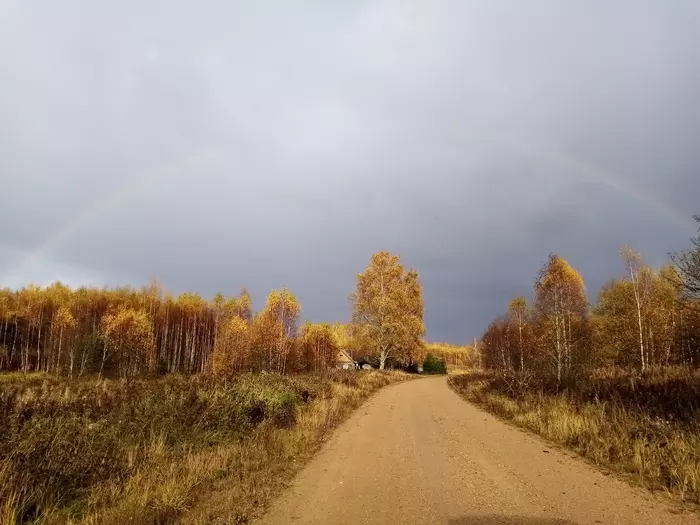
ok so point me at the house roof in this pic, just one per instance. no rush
(343, 357)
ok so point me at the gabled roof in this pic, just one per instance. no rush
(343, 357)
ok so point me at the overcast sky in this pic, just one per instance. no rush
(265, 144)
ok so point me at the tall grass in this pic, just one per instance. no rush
(152, 451)
(646, 426)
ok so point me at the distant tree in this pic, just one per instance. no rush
(497, 344)
(128, 334)
(640, 277)
(318, 346)
(434, 365)
(274, 331)
(232, 348)
(388, 310)
(342, 335)
(244, 307)
(517, 313)
(64, 323)
(560, 300)
(458, 355)
(687, 263)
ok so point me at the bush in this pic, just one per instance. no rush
(433, 365)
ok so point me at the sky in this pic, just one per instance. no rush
(223, 144)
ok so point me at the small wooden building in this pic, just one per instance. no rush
(343, 361)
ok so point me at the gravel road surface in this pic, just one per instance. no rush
(416, 453)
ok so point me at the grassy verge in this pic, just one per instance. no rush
(656, 451)
(159, 451)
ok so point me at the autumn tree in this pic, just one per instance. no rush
(64, 323)
(128, 335)
(318, 346)
(640, 277)
(456, 355)
(244, 306)
(663, 317)
(274, 331)
(687, 263)
(517, 314)
(388, 310)
(232, 348)
(497, 345)
(343, 335)
(560, 300)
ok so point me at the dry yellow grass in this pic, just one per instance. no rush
(657, 454)
(212, 476)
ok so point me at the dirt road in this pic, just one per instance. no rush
(416, 453)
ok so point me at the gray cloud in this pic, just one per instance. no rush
(261, 144)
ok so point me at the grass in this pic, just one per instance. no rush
(159, 451)
(650, 440)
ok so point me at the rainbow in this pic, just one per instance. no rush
(104, 204)
(573, 167)
(578, 170)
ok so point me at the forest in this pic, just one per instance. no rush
(127, 332)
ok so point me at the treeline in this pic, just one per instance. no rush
(128, 332)
(454, 355)
(646, 319)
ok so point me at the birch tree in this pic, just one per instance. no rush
(387, 315)
(560, 300)
(641, 283)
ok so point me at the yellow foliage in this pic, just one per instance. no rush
(232, 348)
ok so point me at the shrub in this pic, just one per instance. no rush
(434, 365)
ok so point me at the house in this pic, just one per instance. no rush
(343, 361)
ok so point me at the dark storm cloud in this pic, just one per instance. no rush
(265, 144)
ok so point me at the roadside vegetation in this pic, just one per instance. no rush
(619, 382)
(646, 426)
(147, 451)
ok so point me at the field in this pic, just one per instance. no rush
(643, 426)
(176, 449)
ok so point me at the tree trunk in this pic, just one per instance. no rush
(383, 355)
(58, 357)
(104, 358)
